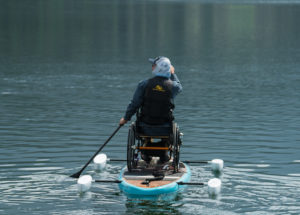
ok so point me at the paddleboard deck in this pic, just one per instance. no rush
(149, 181)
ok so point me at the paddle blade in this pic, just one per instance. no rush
(76, 175)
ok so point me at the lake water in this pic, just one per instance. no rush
(68, 70)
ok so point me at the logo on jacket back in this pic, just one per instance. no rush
(158, 88)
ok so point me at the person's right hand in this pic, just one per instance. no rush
(172, 69)
(123, 121)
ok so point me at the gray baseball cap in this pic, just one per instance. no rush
(163, 66)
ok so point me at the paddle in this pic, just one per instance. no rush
(76, 175)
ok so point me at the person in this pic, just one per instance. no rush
(154, 97)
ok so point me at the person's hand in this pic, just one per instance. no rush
(172, 69)
(123, 121)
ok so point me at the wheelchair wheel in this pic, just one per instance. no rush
(176, 147)
(132, 152)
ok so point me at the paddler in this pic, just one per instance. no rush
(154, 97)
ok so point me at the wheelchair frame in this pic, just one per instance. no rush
(136, 141)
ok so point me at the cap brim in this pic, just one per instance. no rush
(151, 60)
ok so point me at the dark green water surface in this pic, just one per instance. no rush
(68, 69)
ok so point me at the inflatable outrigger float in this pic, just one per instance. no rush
(151, 177)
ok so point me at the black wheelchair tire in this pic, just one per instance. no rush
(131, 148)
(176, 147)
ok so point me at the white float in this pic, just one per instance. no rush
(84, 183)
(214, 186)
(100, 161)
(217, 165)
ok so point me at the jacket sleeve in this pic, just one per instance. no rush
(136, 101)
(177, 88)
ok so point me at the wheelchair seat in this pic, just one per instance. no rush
(144, 129)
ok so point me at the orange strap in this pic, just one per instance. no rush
(155, 137)
(153, 148)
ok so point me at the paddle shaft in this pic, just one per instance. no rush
(76, 175)
(108, 181)
(195, 162)
(190, 183)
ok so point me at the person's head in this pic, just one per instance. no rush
(161, 66)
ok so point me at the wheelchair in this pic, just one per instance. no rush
(139, 138)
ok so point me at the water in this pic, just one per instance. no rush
(69, 68)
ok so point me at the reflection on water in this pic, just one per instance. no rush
(63, 31)
(168, 204)
(68, 70)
